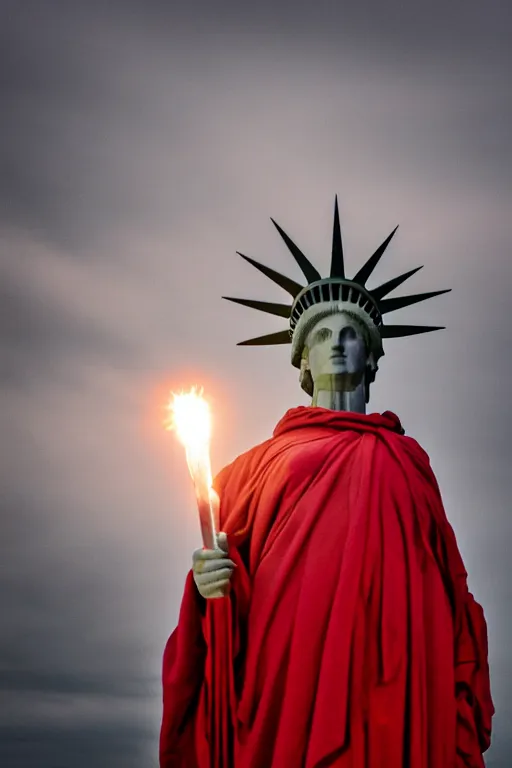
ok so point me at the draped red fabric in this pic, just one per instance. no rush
(350, 638)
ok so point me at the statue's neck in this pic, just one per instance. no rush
(331, 392)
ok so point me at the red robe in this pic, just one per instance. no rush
(349, 638)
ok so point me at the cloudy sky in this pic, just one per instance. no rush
(140, 147)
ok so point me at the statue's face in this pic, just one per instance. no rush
(336, 346)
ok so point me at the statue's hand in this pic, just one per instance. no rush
(212, 569)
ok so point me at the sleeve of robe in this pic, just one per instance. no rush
(472, 681)
(182, 679)
(197, 674)
(475, 707)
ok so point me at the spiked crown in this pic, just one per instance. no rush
(325, 296)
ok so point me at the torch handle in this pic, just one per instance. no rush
(207, 500)
(207, 522)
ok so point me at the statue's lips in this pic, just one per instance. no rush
(338, 358)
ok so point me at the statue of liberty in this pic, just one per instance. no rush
(332, 627)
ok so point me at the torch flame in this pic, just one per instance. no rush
(190, 418)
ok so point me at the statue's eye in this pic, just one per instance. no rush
(349, 333)
(322, 335)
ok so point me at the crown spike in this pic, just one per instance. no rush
(281, 337)
(367, 268)
(397, 331)
(337, 262)
(385, 288)
(289, 285)
(308, 270)
(389, 305)
(280, 310)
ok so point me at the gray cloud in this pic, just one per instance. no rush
(142, 147)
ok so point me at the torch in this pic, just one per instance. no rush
(190, 419)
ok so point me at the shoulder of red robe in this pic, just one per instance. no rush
(306, 417)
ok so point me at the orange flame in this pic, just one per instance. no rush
(190, 418)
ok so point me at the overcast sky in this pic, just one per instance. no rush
(140, 147)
